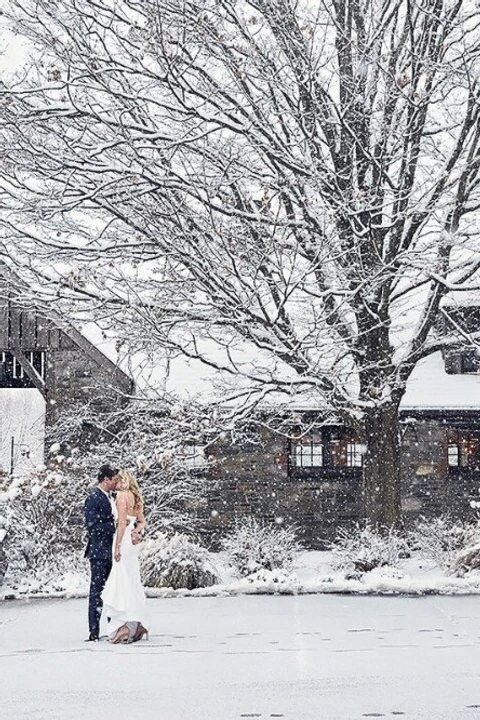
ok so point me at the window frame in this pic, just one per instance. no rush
(309, 451)
(465, 444)
(194, 467)
(332, 437)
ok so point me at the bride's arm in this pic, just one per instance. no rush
(121, 503)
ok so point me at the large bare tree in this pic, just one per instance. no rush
(283, 190)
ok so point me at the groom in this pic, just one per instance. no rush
(101, 529)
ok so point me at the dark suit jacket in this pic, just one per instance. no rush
(100, 525)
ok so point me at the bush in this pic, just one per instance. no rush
(61, 573)
(363, 549)
(253, 546)
(42, 524)
(441, 539)
(176, 562)
(465, 560)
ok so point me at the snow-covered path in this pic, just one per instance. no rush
(316, 657)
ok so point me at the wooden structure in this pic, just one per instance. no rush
(39, 349)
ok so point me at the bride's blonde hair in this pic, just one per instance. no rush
(129, 482)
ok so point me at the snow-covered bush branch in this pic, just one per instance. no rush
(176, 562)
(43, 524)
(361, 549)
(442, 539)
(253, 546)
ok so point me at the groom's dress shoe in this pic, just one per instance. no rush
(92, 638)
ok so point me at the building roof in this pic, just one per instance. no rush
(430, 387)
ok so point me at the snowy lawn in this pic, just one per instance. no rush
(312, 572)
(313, 657)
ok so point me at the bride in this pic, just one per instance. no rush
(123, 597)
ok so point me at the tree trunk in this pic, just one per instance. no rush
(381, 473)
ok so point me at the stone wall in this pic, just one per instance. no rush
(254, 479)
(429, 487)
(75, 377)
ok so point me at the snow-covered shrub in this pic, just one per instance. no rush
(442, 539)
(65, 573)
(278, 582)
(465, 560)
(362, 549)
(254, 546)
(176, 562)
(42, 520)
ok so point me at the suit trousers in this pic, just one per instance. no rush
(99, 572)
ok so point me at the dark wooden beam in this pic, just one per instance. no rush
(33, 375)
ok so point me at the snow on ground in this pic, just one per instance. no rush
(315, 657)
(312, 573)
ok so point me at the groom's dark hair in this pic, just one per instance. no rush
(106, 471)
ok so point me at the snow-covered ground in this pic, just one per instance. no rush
(315, 657)
(312, 573)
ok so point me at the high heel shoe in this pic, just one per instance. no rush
(139, 633)
(122, 635)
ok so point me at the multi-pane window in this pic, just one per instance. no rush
(328, 448)
(463, 449)
(308, 451)
(453, 455)
(346, 451)
(355, 452)
(195, 457)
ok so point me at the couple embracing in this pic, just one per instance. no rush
(115, 526)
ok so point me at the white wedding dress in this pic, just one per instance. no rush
(123, 596)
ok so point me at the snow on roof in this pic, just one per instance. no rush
(187, 379)
(430, 387)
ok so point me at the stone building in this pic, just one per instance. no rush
(315, 482)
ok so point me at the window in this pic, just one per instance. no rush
(328, 448)
(355, 452)
(308, 451)
(453, 456)
(346, 451)
(195, 457)
(463, 449)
